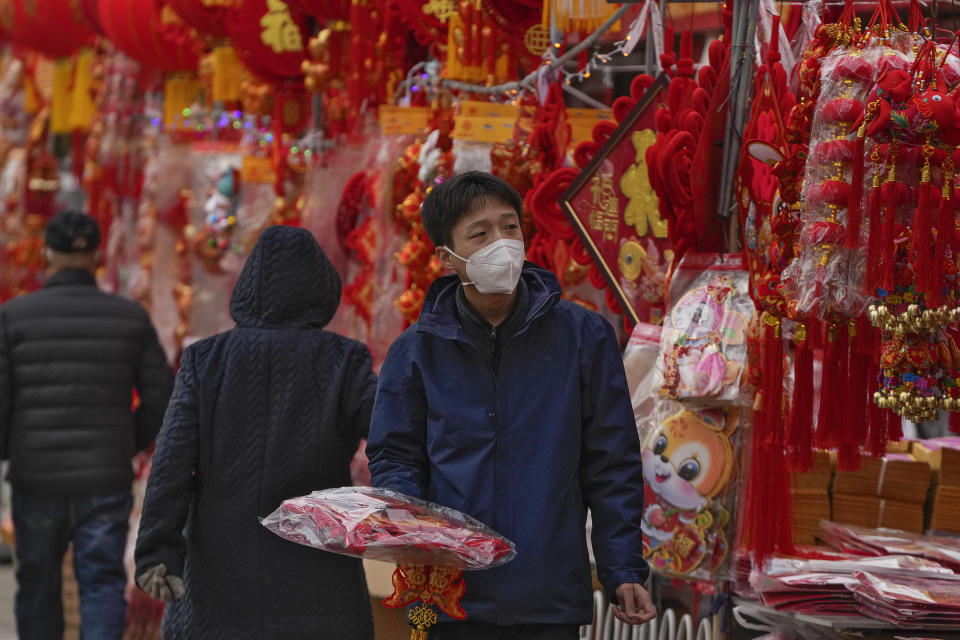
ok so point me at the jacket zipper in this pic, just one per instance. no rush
(494, 352)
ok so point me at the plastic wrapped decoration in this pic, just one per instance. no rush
(215, 239)
(911, 120)
(382, 524)
(689, 463)
(822, 281)
(703, 346)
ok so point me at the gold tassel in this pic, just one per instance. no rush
(82, 106)
(60, 107)
(179, 92)
(229, 74)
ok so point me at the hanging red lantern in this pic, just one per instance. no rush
(427, 20)
(323, 11)
(149, 32)
(91, 13)
(55, 28)
(514, 16)
(206, 17)
(270, 39)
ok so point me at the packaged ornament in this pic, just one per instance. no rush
(703, 346)
(689, 465)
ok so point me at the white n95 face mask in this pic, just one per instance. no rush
(496, 267)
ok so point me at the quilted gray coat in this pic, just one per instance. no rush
(272, 409)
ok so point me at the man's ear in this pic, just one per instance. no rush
(445, 258)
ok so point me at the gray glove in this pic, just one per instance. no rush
(159, 585)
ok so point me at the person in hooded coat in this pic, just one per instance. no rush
(270, 410)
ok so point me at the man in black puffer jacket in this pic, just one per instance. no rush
(71, 357)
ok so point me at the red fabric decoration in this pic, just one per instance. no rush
(34, 22)
(135, 27)
(800, 428)
(207, 19)
(270, 42)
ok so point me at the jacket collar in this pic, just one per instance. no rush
(71, 277)
(439, 315)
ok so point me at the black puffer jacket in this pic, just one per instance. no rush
(70, 358)
(270, 410)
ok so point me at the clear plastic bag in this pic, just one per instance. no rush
(703, 346)
(690, 466)
(382, 524)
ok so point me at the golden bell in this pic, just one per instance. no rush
(930, 401)
(913, 309)
(904, 397)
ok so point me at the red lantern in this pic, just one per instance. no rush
(91, 13)
(428, 23)
(323, 11)
(514, 16)
(206, 17)
(54, 28)
(270, 39)
(150, 33)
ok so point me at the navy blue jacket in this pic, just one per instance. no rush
(525, 450)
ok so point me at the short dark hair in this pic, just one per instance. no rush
(464, 193)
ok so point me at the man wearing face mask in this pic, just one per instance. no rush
(509, 403)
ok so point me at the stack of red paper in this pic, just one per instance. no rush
(909, 601)
(824, 587)
(875, 542)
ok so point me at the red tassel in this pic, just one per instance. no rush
(922, 234)
(772, 379)
(834, 374)
(855, 205)
(954, 422)
(894, 428)
(800, 431)
(876, 444)
(891, 201)
(855, 408)
(945, 232)
(875, 238)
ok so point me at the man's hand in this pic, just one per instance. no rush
(634, 604)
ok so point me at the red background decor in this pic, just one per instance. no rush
(138, 30)
(246, 34)
(582, 202)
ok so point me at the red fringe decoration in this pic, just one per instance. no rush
(894, 430)
(955, 422)
(800, 428)
(876, 444)
(875, 238)
(855, 414)
(855, 204)
(944, 232)
(891, 199)
(771, 381)
(921, 240)
(833, 376)
(766, 511)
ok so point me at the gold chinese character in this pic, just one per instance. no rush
(602, 189)
(610, 228)
(280, 32)
(596, 220)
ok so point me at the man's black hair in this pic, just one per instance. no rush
(462, 194)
